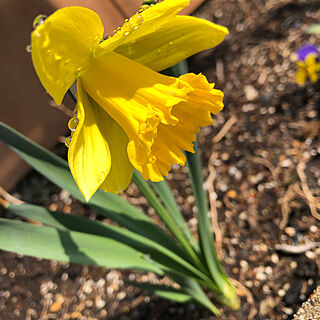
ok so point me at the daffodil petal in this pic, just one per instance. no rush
(136, 97)
(62, 47)
(89, 154)
(192, 114)
(175, 41)
(143, 23)
(121, 170)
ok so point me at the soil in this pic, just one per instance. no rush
(261, 164)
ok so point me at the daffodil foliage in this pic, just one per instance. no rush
(127, 114)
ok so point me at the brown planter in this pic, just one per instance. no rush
(24, 104)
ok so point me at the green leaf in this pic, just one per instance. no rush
(163, 291)
(192, 287)
(69, 246)
(163, 190)
(314, 28)
(167, 219)
(163, 256)
(109, 205)
(205, 235)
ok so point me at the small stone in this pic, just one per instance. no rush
(76, 315)
(313, 229)
(232, 194)
(286, 163)
(99, 302)
(251, 93)
(225, 156)
(248, 107)
(281, 293)
(55, 307)
(261, 276)
(290, 231)
(310, 254)
(293, 265)
(121, 295)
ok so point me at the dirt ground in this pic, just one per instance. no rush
(261, 165)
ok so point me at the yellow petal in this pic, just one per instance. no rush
(161, 115)
(138, 98)
(143, 23)
(192, 114)
(175, 41)
(89, 154)
(121, 170)
(301, 75)
(62, 47)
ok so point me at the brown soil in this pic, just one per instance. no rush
(261, 171)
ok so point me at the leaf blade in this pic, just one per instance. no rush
(69, 246)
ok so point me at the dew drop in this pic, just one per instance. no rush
(72, 124)
(139, 19)
(38, 20)
(67, 142)
(28, 48)
(101, 177)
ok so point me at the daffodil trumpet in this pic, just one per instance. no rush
(127, 114)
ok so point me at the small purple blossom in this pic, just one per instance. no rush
(304, 51)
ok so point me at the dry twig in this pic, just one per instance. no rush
(242, 291)
(62, 108)
(314, 205)
(227, 126)
(8, 198)
(284, 202)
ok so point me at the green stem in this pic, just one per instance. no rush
(167, 219)
(205, 235)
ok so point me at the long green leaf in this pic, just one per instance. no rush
(192, 287)
(167, 219)
(163, 190)
(109, 205)
(163, 256)
(205, 234)
(69, 246)
(163, 291)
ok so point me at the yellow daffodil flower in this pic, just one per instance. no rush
(127, 114)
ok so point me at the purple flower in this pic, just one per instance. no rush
(304, 51)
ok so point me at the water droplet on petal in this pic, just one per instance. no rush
(101, 177)
(72, 124)
(139, 19)
(28, 48)
(67, 142)
(38, 20)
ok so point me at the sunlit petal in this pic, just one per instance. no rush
(144, 23)
(192, 114)
(89, 155)
(138, 105)
(62, 47)
(175, 41)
